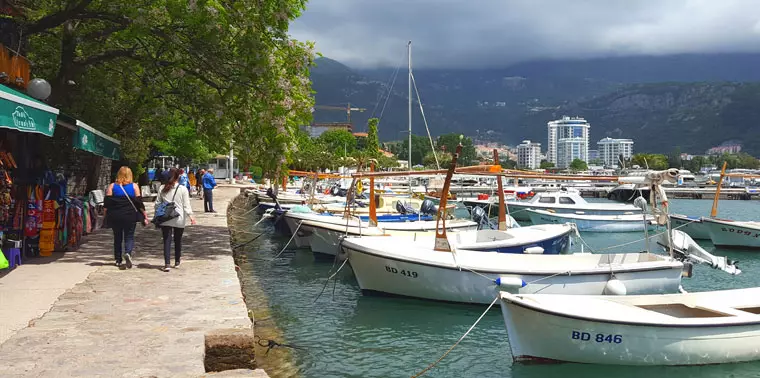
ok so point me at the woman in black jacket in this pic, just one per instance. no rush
(124, 208)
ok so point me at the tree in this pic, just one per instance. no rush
(578, 165)
(596, 162)
(444, 159)
(420, 147)
(653, 161)
(373, 143)
(545, 164)
(181, 140)
(132, 68)
(449, 143)
(339, 142)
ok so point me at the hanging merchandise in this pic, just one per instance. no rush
(47, 235)
(33, 222)
(3, 261)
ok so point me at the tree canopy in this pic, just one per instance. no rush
(578, 165)
(137, 69)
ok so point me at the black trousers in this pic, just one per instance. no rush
(167, 232)
(208, 200)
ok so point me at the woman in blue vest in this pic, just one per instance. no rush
(124, 208)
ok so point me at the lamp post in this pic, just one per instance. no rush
(39, 89)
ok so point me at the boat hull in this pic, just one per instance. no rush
(301, 235)
(536, 336)
(693, 227)
(588, 225)
(519, 211)
(732, 234)
(386, 275)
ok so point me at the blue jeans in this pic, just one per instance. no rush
(208, 200)
(123, 233)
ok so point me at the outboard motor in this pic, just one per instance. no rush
(400, 207)
(270, 194)
(479, 216)
(428, 208)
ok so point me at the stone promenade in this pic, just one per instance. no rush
(77, 315)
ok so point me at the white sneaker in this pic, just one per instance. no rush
(166, 268)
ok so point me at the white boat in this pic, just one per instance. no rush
(706, 328)
(736, 234)
(628, 192)
(399, 266)
(596, 223)
(304, 231)
(564, 202)
(690, 225)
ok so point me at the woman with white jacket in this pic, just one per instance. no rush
(172, 191)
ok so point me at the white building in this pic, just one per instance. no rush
(611, 149)
(568, 140)
(529, 155)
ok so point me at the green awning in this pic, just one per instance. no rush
(23, 113)
(88, 139)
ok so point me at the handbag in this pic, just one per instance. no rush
(166, 211)
(139, 217)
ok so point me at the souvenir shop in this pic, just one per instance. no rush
(52, 172)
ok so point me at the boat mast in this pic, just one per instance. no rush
(409, 53)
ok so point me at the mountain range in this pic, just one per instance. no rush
(693, 102)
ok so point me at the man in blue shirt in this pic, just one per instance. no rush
(209, 183)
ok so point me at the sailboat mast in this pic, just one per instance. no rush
(409, 51)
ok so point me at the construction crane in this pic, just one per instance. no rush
(347, 108)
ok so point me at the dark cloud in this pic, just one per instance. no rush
(468, 33)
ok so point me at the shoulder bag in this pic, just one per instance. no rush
(166, 211)
(139, 217)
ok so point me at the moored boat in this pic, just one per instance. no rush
(676, 329)
(564, 202)
(735, 234)
(693, 226)
(397, 266)
(596, 223)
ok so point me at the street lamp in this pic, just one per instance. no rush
(39, 89)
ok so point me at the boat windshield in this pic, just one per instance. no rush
(546, 200)
(566, 201)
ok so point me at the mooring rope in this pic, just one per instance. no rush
(269, 344)
(246, 243)
(291, 239)
(328, 281)
(458, 341)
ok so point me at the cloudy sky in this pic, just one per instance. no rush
(470, 33)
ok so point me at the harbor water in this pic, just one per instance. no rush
(335, 331)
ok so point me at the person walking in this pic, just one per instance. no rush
(123, 209)
(209, 183)
(173, 229)
(199, 182)
(184, 180)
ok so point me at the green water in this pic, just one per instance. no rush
(346, 334)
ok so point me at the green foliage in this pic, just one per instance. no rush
(444, 159)
(339, 142)
(578, 165)
(596, 162)
(135, 69)
(733, 161)
(384, 162)
(545, 164)
(181, 140)
(449, 143)
(420, 147)
(652, 161)
(373, 143)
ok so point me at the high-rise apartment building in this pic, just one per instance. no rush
(611, 149)
(529, 155)
(568, 140)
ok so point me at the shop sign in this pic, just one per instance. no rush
(23, 113)
(92, 140)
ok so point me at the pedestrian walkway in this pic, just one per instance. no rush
(108, 322)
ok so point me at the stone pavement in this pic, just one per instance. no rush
(140, 322)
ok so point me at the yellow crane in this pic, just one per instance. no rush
(347, 108)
